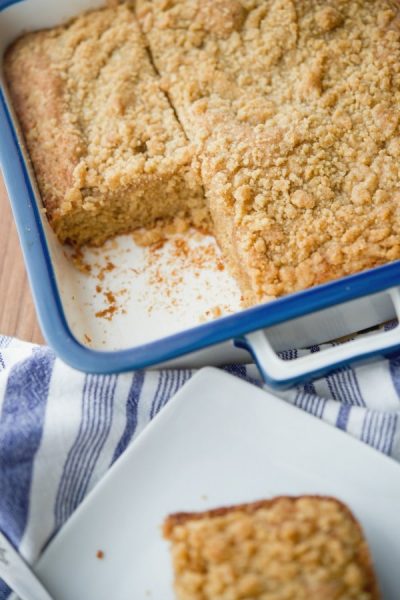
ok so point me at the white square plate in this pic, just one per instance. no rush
(219, 441)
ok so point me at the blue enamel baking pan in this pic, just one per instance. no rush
(145, 331)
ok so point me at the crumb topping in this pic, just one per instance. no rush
(291, 109)
(294, 110)
(292, 548)
(97, 124)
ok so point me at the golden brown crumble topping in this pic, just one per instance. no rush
(290, 107)
(294, 109)
(107, 149)
(286, 548)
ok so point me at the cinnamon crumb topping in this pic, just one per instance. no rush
(294, 111)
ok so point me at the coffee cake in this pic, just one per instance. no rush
(293, 106)
(309, 548)
(286, 113)
(107, 150)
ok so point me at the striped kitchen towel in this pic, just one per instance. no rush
(60, 430)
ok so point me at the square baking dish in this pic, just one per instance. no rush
(146, 331)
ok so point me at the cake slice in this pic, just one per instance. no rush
(286, 548)
(108, 152)
(294, 110)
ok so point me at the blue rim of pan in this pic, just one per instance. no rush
(50, 310)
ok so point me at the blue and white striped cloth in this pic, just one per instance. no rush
(60, 430)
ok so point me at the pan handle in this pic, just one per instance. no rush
(281, 373)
